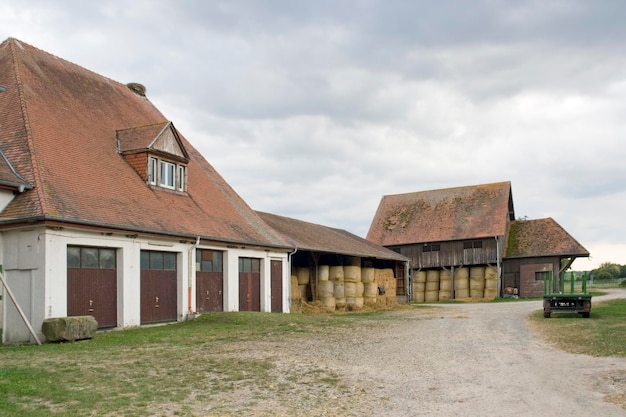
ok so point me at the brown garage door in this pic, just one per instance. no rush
(276, 270)
(209, 281)
(92, 284)
(249, 284)
(158, 287)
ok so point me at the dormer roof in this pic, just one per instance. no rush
(158, 137)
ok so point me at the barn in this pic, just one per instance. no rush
(464, 242)
(339, 269)
(106, 209)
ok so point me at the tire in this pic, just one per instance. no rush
(546, 314)
(585, 315)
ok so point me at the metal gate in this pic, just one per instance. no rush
(92, 284)
(158, 287)
(209, 281)
(276, 281)
(249, 284)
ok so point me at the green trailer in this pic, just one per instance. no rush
(562, 294)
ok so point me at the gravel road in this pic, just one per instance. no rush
(450, 360)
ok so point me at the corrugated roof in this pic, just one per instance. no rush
(441, 215)
(317, 238)
(542, 237)
(58, 124)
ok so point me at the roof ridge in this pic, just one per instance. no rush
(452, 188)
(29, 136)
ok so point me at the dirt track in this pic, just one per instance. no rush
(453, 360)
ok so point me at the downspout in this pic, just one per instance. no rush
(289, 265)
(498, 266)
(190, 273)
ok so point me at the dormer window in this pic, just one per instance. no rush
(166, 174)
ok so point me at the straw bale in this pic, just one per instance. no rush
(430, 296)
(340, 304)
(295, 290)
(461, 273)
(477, 284)
(461, 293)
(444, 295)
(420, 276)
(419, 297)
(303, 275)
(490, 293)
(476, 293)
(369, 301)
(339, 290)
(491, 272)
(352, 273)
(477, 272)
(367, 275)
(445, 285)
(323, 273)
(296, 305)
(370, 290)
(350, 289)
(491, 283)
(432, 286)
(335, 273)
(432, 275)
(445, 275)
(329, 303)
(325, 289)
(359, 301)
(302, 289)
(461, 283)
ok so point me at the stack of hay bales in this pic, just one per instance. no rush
(419, 286)
(353, 287)
(431, 290)
(491, 283)
(370, 288)
(296, 296)
(303, 274)
(477, 281)
(335, 275)
(325, 288)
(461, 283)
(385, 279)
(445, 285)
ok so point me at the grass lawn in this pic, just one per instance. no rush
(602, 334)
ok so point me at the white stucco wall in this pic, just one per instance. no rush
(35, 263)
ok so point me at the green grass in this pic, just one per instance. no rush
(164, 370)
(602, 334)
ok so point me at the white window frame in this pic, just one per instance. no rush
(180, 177)
(167, 174)
(152, 170)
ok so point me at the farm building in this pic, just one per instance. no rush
(106, 209)
(339, 269)
(464, 242)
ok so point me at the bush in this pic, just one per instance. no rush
(623, 284)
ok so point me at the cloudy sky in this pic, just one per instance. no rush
(316, 109)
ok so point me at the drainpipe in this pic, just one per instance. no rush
(190, 274)
(498, 266)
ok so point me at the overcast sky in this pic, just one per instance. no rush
(316, 109)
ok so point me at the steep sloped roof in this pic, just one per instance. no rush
(441, 215)
(58, 128)
(318, 238)
(541, 237)
(8, 176)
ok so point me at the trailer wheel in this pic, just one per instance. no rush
(585, 315)
(546, 314)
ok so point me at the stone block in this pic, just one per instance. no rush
(66, 329)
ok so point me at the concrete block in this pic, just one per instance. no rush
(62, 329)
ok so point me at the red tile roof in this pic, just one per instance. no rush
(442, 215)
(58, 124)
(8, 176)
(542, 237)
(317, 238)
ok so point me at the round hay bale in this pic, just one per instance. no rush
(370, 289)
(477, 284)
(303, 289)
(339, 290)
(303, 275)
(360, 289)
(296, 305)
(462, 293)
(326, 289)
(491, 283)
(431, 296)
(444, 275)
(350, 290)
(431, 286)
(359, 302)
(323, 273)
(329, 303)
(350, 302)
(335, 273)
(295, 290)
(420, 276)
(476, 293)
(432, 275)
(461, 283)
(461, 273)
(419, 286)
(445, 285)
(352, 273)
(419, 297)
(367, 275)
(340, 304)
(490, 293)
(477, 272)
(369, 301)
(444, 295)
(491, 272)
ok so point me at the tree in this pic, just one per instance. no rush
(607, 271)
